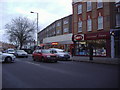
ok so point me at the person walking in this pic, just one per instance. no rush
(72, 51)
(90, 52)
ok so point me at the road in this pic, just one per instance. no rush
(25, 73)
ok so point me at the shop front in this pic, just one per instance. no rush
(61, 42)
(99, 41)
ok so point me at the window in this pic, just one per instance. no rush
(100, 22)
(89, 25)
(58, 31)
(80, 26)
(89, 5)
(65, 30)
(58, 24)
(53, 26)
(99, 4)
(79, 9)
(65, 22)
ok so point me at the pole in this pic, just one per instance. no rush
(37, 28)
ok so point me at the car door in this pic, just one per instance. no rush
(35, 54)
(39, 55)
(0, 56)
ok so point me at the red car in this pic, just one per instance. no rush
(44, 55)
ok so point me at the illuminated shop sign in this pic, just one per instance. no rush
(78, 37)
(54, 43)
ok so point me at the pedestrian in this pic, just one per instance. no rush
(72, 51)
(90, 52)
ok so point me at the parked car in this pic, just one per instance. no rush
(10, 51)
(21, 53)
(61, 54)
(5, 57)
(44, 55)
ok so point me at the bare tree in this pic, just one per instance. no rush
(20, 30)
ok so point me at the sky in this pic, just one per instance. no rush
(49, 11)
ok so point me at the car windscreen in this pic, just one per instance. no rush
(45, 51)
(11, 50)
(20, 51)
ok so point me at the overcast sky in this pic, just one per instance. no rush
(49, 11)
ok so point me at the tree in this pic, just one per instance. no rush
(20, 30)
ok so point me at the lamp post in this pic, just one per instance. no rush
(37, 25)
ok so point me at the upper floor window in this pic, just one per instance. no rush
(80, 26)
(58, 24)
(58, 32)
(99, 4)
(100, 22)
(89, 24)
(53, 26)
(65, 30)
(89, 5)
(79, 8)
(65, 22)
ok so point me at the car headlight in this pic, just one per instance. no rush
(48, 56)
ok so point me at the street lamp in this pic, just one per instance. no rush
(37, 25)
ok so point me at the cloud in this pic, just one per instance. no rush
(49, 10)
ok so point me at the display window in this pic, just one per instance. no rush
(99, 47)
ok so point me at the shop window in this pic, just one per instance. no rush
(99, 47)
(89, 5)
(89, 24)
(81, 48)
(79, 8)
(99, 4)
(80, 26)
(100, 22)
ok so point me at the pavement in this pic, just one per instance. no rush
(99, 60)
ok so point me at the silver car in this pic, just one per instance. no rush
(5, 57)
(21, 53)
(61, 54)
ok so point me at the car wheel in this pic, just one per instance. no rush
(8, 59)
(42, 59)
(33, 58)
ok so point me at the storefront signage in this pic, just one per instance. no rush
(54, 43)
(101, 35)
(78, 37)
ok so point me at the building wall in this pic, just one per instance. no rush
(56, 28)
(107, 11)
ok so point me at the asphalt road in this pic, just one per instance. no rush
(25, 73)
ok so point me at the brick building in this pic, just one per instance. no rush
(92, 22)
(58, 34)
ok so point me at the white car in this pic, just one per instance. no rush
(5, 57)
(21, 53)
(61, 54)
(10, 51)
